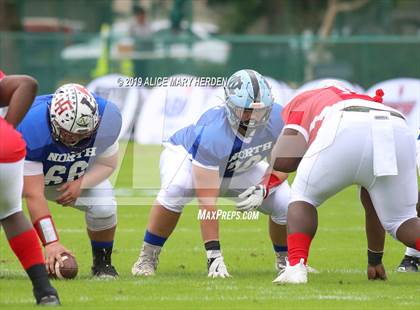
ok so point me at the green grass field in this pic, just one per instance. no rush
(338, 252)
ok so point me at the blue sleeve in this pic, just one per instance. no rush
(35, 129)
(205, 147)
(110, 123)
(276, 122)
(277, 118)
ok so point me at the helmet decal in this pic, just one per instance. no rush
(62, 105)
(84, 120)
(234, 83)
(90, 105)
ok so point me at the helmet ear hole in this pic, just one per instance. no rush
(55, 130)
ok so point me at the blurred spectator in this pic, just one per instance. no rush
(139, 27)
(141, 32)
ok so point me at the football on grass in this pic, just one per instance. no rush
(70, 268)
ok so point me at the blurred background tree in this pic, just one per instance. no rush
(9, 17)
(283, 17)
(270, 16)
(297, 16)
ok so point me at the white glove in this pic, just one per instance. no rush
(254, 198)
(217, 268)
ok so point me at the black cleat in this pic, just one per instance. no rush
(409, 264)
(104, 271)
(102, 267)
(49, 301)
(49, 297)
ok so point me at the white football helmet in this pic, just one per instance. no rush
(74, 115)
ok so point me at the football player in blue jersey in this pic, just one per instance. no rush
(72, 149)
(221, 155)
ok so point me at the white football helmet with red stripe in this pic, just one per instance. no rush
(74, 114)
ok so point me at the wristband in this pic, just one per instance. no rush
(374, 258)
(45, 229)
(270, 181)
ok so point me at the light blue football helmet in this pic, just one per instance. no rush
(248, 93)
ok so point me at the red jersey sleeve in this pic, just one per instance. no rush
(297, 114)
(12, 145)
(306, 111)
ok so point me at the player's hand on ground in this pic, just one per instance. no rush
(253, 198)
(70, 191)
(218, 269)
(53, 253)
(376, 272)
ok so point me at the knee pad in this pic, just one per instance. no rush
(101, 217)
(174, 198)
(392, 224)
(279, 220)
(277, 204)
(279, 214)
(173, 208)
(392, 228)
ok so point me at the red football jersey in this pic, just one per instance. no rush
(12, 145)
(306, 111)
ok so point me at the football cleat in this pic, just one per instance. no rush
(409, 264)
(147, 262)
(217, 268)
(311, 269)
(280, 263)
(104, 271)
(49, 300)
(296, 274)
(48, 297)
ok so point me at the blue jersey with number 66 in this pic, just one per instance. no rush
(60, 163)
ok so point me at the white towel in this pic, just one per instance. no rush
(384, 155)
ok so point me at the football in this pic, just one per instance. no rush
(70, 268)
